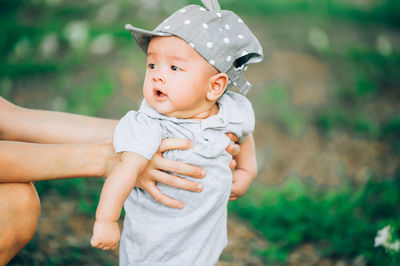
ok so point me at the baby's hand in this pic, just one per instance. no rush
(240, 184)
(106, 235)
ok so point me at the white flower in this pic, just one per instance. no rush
(59, 104)
(49, 44)
(382, 237)
(76, 33)
(108, 13)
(383, 45)
(394, 246)
(22, 48)
(318, 38)
(102, 44)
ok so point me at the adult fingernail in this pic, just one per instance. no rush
(199, 187)
(203, 172)
(180, 206)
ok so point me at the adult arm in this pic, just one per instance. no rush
(39, 126)
(30, 162)
(22, 124)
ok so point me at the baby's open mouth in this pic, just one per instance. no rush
(159, 94)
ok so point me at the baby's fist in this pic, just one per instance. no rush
(106, 235)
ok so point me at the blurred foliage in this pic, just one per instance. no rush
(69, 51)
(383, 11)
(343, 221)
(70, 255)
(277, 107)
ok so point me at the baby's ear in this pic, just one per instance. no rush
(217, 86)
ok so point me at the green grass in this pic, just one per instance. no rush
(343, 222)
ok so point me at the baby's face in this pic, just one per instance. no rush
(177, 78)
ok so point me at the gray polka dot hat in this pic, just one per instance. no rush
(220, 36)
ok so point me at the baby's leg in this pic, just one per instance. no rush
(19, 215)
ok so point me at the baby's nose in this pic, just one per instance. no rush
(158, 77)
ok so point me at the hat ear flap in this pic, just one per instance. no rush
(247, 59)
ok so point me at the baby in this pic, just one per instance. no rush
(192, 58)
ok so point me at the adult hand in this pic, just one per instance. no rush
(154, 172)
(233, 149)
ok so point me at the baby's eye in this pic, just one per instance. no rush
(175, 68)
(152, 66)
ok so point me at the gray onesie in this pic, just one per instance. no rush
(154, 234)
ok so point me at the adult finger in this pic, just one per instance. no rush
(233, 149)
(174, 144)
(178, 182)
(232, 164)
(179, 168)
(162, 198)
(232, 136)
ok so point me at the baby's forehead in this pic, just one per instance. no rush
(177, 49)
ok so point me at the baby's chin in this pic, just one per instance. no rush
(161, 109)
(164, 109)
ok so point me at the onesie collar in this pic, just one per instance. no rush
(229, 112)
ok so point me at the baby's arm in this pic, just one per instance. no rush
(246, 168)
(116, 189)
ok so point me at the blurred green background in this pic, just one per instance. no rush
(326, 100)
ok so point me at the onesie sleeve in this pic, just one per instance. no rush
(240, 115)
(137, 133)
(249, 118)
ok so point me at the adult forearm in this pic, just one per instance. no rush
(22, 124)
(27, 162)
